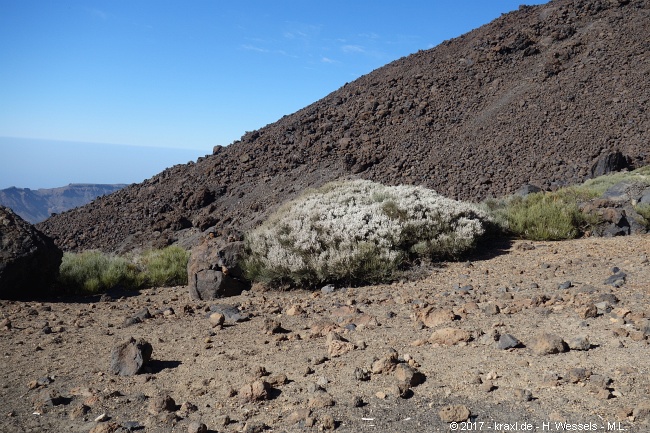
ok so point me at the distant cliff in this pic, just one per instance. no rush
(37, 205)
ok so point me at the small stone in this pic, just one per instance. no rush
(408, 376)
(271, 326)
(320, 400)
(491, 309)
(576, 375)
(565, 285)
(616, 280)
(110, 427)
(298, 416)
(587, 311)
(256, 391)
(216, 319)
(197, 427)
(295, 310)
(129, 358)
(454, 413)
(361, 374)
(356, 401)
(160, 404)
(327, 422)
(432, 317)
(579, 343)
(327, 289)
(507, 341)
(449, 336)
(547, 344)
(522, 394)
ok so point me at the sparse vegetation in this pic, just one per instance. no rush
(359, 232)
(556, 215)
(95, 272)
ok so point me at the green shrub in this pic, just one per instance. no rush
(543, 216)
(555, 215)
(644, 211)
(359, 232)
(165, 267)
(94, 271)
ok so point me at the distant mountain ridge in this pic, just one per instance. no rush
(38, 205)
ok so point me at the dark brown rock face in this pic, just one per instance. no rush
(29, 260)
(539, 96)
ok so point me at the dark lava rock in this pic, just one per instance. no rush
(231, 313)
(128, 358)
(29, 260)
(507, 341)
(213, 270)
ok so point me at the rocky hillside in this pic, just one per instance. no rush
(539, 96)
(36, 205)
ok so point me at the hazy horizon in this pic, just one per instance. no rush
(32, 163)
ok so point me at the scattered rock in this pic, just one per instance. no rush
(454, 413)
(319, 400)
(160, 404)
(386, 363)
(432, 317)
(507, 341)
(587, 311)
(298, 416)
(255, 391)
(522, 394)
(449, 336)
(197, 427)
(216, 319)
(130, 357)
(231, 313)
(408, 376)
(579, 343)
(547, 344)
(271, 326)
(110, 427)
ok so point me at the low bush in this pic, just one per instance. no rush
(359, 232)
(95, 272)
(165, 267)
(545, 216)
(556, 215)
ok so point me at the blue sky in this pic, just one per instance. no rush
(174, 76)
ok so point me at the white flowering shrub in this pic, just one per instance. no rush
(359, 232)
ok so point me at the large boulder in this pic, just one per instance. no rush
(213, 270)
(617, 209)
(29, 260)
(609, 163)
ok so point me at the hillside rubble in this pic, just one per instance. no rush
(546, 95)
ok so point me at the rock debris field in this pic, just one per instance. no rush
(535, 335)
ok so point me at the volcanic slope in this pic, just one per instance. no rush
(536, 96)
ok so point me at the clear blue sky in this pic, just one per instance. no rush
(187, 75)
